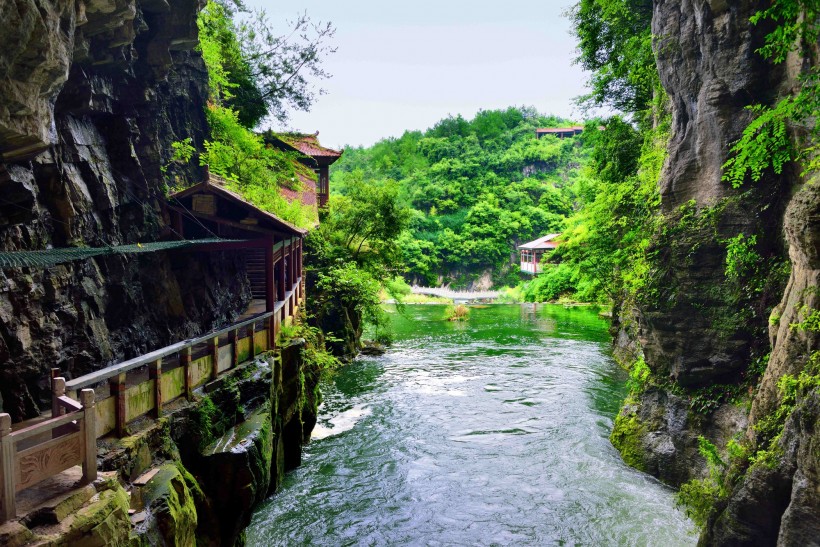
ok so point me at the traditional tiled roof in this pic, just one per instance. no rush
(546, 242)
(217, 185)
(309, 145)
(307, 195)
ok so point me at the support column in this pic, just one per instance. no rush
(155, 373)
(117, 384)
(213, 349)
(89, 436)
(8, 507)
(281, 272)
(272, 332)
(270, 294)
(252, 345)
(233, 338)
(185, 362)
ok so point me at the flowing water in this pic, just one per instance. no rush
(490, 432)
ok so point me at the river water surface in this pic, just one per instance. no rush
(490, 432)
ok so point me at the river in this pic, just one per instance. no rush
(490, 432)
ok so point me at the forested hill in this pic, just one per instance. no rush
(476, 188)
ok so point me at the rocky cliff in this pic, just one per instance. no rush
(704, 338)
(92, 94)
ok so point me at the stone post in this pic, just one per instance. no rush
(89, 435)
(8, 508)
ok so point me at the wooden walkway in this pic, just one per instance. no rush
(456, 296)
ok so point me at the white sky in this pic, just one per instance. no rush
(405, 65)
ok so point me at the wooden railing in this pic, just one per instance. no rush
(144, 384)
(141, 386)
(33, 454)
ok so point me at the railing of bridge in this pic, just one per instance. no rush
(444, 292)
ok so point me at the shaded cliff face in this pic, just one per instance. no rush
(92, 94)
(709, 68)
(694, 337)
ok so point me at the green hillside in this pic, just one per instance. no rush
(477, 188)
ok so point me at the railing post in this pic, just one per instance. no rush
(272, 332)
(55, 405)
(8, 508)
(57, 391)
(251, 336)
(185, 361)
(213, 347)
(155, 374)
(233, 337)
(117, 384)
(89, 435)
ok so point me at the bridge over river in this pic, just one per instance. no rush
(456, 296)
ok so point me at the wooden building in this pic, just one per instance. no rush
(313, 155)
(533, 252)
(560, 132)
(273, 247)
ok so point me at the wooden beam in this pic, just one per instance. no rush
(270, 288)
(251, 333)
(155, 374)
(117, 384)
(185, 363)
(272, 333)
(280, 265)
(213, 349)
(233, 337)
(8, 507)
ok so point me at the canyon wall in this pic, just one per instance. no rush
(92, 94)
(701, 335)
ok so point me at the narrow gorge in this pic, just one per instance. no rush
(111, 125)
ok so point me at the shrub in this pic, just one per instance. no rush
(457, 313)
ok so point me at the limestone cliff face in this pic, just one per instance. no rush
(706, 51)
(92, 94)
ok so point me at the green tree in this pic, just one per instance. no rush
(615, 46)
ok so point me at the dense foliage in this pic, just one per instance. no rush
(256, 71)
(351, 255)
(476, 188)
(615, 47)
(234, 151)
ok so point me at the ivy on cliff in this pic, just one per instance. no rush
(766, 142)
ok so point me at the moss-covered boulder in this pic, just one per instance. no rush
(236, 472)
(104, 521)
(168, 499)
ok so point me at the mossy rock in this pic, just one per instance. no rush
(102, 522)
(627, 437)
(171, 503)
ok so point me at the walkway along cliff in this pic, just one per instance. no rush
(145, 393)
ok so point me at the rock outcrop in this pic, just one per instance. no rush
(693, 337)
(92, 94)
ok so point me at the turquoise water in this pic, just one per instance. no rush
(490, 432)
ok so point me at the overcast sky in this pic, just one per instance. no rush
(405, 65)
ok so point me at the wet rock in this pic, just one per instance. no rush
(236, 472)
(170, 508)
(14, 534)
(373, 348)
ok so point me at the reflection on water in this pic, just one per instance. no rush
(492, 432)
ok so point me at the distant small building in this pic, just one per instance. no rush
(315, 156)
(532, 252)
(560, 132)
